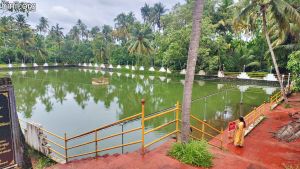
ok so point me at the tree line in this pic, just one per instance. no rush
(160, 39)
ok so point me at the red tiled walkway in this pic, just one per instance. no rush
(261, 151)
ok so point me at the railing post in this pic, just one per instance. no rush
(66, 148)
(203, 129)
(96, 143)
(143, 126)
(177, 121)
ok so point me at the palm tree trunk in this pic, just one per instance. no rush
(189, 77)
(272, 54)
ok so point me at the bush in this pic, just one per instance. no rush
(294, 66)
(195, 153)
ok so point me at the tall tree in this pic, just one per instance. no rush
(276, 11)
(159, 10)
(57, 34)
(43, 25)
(146, 13)
(140, 42)
(190, 73)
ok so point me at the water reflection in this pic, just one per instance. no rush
(66, 101)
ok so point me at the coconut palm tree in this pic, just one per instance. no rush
(57, 34)
(146, 13)
(39, 48)
(159, 10)
(75, 34)
(276, 12)
(43, 25)
(191, 63)
(140, 42)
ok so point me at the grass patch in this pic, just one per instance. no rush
(194, 153)
(40, 161)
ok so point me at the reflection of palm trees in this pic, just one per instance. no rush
(54, 87)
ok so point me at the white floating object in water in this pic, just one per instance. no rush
(34, 65)
(127, 67)
(168, 80)
(168, 70)
(270, 90)
(162, 78)
(119, 67)
(243, 75)
(102, 66)
(151, 69)
(220, 86)
(10, 65)
(201, 82)
(270, 77)
(221, 74)
(45, 64)
(35, 71)
(84, 70)
(111, 73)
(111, 66)
(127, 75)
(202, 73)
(90, 65)
(84, 64)
(66, 64)
(23, 72)
(119, 74)
(183, 72)
(56, 70)
(142, 68)
(79, 64)
(162, 69)
(151, 77)
(132, 68)
(56, 64)
(23, 65)
(96, 65)
(243, 88)
(133, 75)
(142, 77)
(46, 71)
(10, 73)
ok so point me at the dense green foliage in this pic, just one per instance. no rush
(161, 39)
(195, 153)
(294, 67)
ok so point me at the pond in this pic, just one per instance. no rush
(64, 100)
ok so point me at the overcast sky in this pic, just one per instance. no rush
(91, 12)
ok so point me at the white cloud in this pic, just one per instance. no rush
(91, 12)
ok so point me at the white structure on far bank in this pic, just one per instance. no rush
(183, 72)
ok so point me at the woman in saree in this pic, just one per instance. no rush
(240, 133)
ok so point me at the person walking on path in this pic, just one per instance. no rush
(240, 133)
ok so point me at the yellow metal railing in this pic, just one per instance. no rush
(252, 117)
(96, 139)
(176, 121)
(204, 132)
(275, 98)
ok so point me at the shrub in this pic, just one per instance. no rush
(294, 66)
(195, 153)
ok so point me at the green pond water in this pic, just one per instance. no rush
(64, 100)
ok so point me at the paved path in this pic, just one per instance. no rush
(261, 151)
